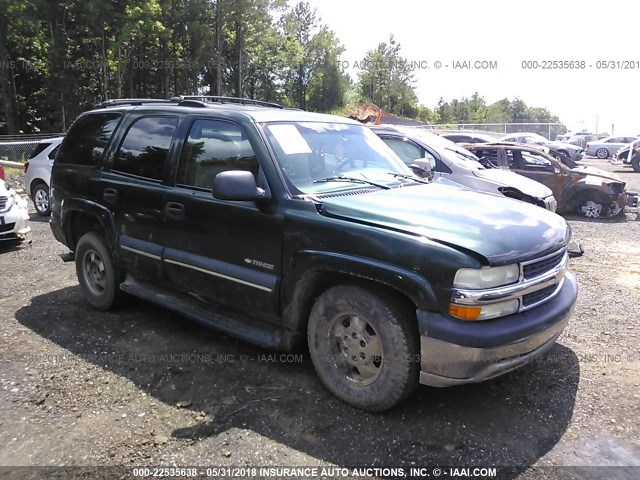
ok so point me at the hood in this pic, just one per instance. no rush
(586, 169)
(511, 179)
(563, 145)
(500, 229)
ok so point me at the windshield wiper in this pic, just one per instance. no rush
(408, 177)
(340, 178)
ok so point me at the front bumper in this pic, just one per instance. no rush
(14, 223)
(456, 352)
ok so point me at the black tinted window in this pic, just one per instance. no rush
(40, 147)
(89, 135)
(145, 147)
(212, 147)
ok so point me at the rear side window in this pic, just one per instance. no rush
(145, 148)
(38, 150)
(85, 142)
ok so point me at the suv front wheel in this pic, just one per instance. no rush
(96, 272)
(364, 346)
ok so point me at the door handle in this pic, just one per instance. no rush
(174, 210)
(110, 195)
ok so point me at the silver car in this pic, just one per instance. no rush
(607, 147)
(450, 161)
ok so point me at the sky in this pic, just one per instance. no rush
(508, 33)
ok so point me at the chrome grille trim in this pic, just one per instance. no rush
(553, 276)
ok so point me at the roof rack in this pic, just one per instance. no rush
(116, 102)
(219, 99)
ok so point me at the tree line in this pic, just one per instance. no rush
(60, 57)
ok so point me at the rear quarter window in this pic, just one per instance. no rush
(87, 139)
(41, 147)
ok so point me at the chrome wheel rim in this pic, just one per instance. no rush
(41, 201)
(94, 272)
(602, 153)
(356, 348)
(591, 209)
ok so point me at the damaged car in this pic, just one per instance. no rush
(578, 189)
(622, 156)
(452, 162)
(14, 215)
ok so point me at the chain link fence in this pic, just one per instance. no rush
(17, 148)
(548, 130)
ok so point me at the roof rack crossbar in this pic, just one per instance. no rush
(131, 101)
(223, 99)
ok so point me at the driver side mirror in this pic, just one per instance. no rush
(422, 168)
(237, 185)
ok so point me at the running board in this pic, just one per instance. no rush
(252, 330)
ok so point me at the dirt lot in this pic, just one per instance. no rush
(143, 386)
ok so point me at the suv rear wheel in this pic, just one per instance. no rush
(364, 347)
(96, 272)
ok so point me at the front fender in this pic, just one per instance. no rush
(309, 266)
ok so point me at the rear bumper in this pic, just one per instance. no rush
(455, 352)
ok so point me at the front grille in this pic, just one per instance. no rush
(7, 227)
(535, 297)
(3, 202)
(535, 269)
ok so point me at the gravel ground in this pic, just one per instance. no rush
(143, 386)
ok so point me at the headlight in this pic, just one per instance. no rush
(487, 277)
(10, 201)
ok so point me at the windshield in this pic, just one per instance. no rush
(318, 157)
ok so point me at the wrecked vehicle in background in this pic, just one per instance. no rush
(557, 150)
(584, 190)
(14, 215)
(633, 161)
(451, 161)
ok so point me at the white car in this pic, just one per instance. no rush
(14, 215)
(37, 172)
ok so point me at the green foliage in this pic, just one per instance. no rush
(60, 57)
(386, 79)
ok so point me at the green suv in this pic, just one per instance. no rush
(285, 228)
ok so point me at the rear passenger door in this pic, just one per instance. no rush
(227, 252)
(134, 189)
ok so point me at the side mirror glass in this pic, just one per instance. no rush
(237, 185)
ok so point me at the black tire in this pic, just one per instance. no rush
(602, 153)
(635, 163)
(93, 262)
(378, 319)
(40, 196)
